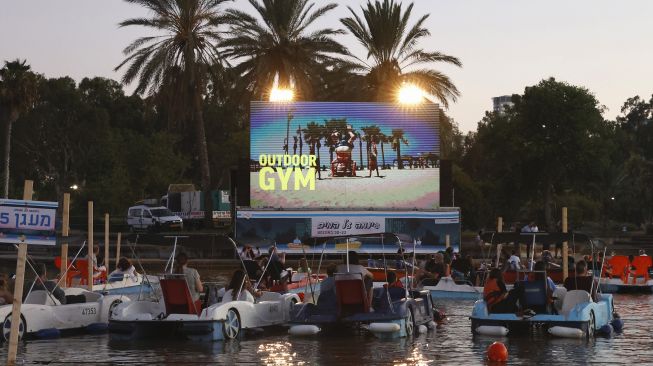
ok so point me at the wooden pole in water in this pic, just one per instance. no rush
(565, 246)
(89, 245)
(117, 248)
(106, 241)
(28, 192)
(65, 231)
(499, 229)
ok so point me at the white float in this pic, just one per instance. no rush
(492, 330)
(384, 327)
(303, 330)
(566, 332)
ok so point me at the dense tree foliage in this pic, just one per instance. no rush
(188, 120)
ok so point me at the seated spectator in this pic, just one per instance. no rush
(125, 268)
(42, 283)
(240, 288)
(514, 262)
(581, 281)
(497, 297)
(6, 297)
(392, 281)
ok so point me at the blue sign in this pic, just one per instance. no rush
(30, 222)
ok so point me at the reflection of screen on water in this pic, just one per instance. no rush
(344, 155)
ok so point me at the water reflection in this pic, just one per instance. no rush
(278, 353)
(453, 344)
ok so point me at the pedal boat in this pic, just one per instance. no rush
(178, 317)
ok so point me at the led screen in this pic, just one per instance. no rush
(344, 155)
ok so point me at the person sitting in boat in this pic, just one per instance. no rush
(276, 264)
(98, 271)
(303, 266)
(192, 278)
(248, 253)
(496, 295)
(434, 270)
(393, 281)
(514, 262)
(125, 269)
(461, 268)
(6, 297)
(42, 283)
(582, 281)
(355, 267)
(240, 288)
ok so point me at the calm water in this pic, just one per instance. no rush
(452, 344)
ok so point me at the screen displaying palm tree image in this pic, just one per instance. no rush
(363, 155)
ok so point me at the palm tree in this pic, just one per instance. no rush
(393, 49)
(383, 139)
(281, 49)
(182, 56)
(313, 133)
(18, 92)
(397, 139)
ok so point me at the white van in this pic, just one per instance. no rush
(153, 218)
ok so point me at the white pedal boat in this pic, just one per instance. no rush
(176, 317)
(43, 316)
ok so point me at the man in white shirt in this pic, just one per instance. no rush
(514, 261)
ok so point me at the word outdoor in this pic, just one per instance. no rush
(283, 167)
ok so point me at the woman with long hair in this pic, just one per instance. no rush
(192, 278)
(239, 288)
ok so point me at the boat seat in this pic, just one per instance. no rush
(182, 317)
(41, 297)
(176, 296)
(619, 263)
(573, 298)
(558, 298)
(351, 293)
(642, 263)
(535, 296)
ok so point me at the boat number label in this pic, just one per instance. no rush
(89, 311)
(273, 308)
(27, 218)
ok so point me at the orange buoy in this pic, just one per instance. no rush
(497, 351)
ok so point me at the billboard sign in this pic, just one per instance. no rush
(344, 155)
(302, 231)
(31, 222)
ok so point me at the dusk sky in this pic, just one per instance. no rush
(504, 45)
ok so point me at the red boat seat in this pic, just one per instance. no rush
(351, 294)
(619, 264)
(72, 271)
(642, 263)
(177, 298)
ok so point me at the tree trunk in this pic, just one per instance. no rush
(382, 155)
(548, 206)
(202, 149)
(12, 116)
(400, 163)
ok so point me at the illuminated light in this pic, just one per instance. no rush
(410, 94)
(74, 187)
(281, 95)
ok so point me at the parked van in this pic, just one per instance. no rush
(153, 218)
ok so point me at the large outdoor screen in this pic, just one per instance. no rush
(344, 155)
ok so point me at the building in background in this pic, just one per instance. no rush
(499, 103)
